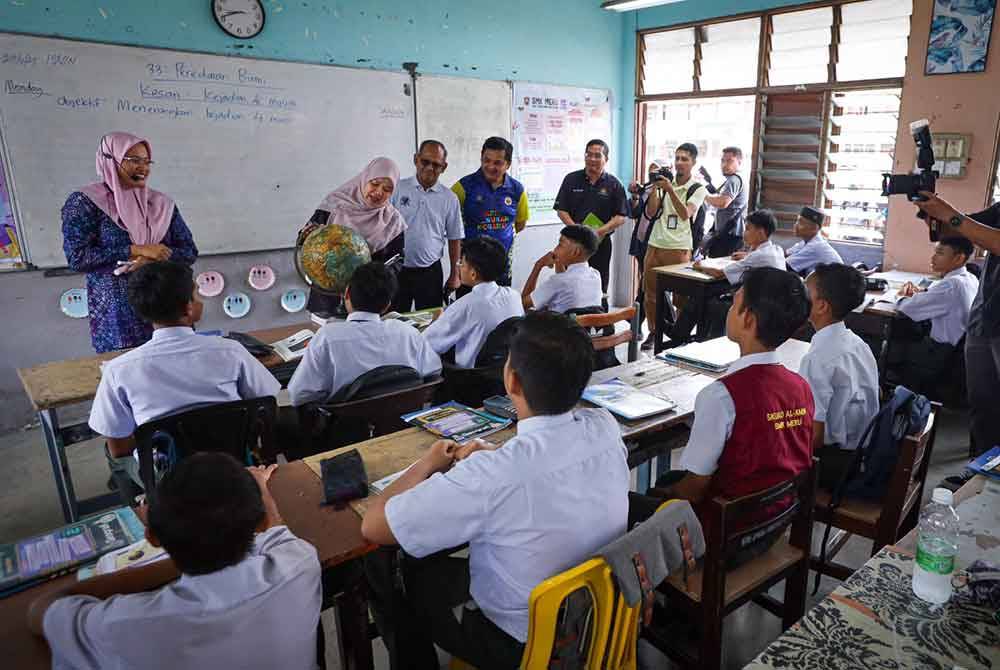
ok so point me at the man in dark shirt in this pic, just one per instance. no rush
(594, 198)
(982, 340)
(730, 202)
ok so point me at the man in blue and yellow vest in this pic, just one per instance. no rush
(494, 204)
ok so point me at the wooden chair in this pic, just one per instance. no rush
(887, 521)
(604, 338)
(243, 428)
(712, 591)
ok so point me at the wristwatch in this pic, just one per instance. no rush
(955, 221)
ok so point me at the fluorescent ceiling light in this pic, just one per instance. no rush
(627, 5)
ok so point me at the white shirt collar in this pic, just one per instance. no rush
(172, 332)
(485, 286)
(543, 422)
(766, 244)
(582, 266)
(436, 188)
(363, 316)
(833, 331)
(763, 358)
(957, 272)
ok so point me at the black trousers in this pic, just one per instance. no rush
(415, 615)
(422, 286)
(601, 261)
(921, 365)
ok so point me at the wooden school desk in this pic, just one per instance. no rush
(697, 286)
(336, 534)
(52, 386)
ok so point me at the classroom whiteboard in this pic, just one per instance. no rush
(462, 113)
(246, 148)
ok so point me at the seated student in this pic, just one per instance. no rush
(757, 231)
(840, 368)
(753, 426)
(156, 379)
(543, 502)
(763, 253)
(467, 322)
(921, 364)
(342, 351)
(812, 249)
(575, 284)
(238, 590)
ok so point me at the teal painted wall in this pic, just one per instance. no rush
(569, 42)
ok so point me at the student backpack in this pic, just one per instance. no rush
(875, 458)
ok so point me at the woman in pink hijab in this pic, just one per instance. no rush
(362, 204)
(113, 226)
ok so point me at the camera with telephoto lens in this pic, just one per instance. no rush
(923, 179)
(655, 175)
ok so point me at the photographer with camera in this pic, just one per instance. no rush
(671, 207)
(730, 202)
(982, 340)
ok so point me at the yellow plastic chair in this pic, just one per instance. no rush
(543, 615)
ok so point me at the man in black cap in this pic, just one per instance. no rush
(812, 249)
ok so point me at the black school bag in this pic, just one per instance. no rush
(875, 458)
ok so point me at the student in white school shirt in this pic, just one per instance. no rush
(539, 504)
(157, 378)
(340, 352)
(840, 368)
(763, 253)
(574, 284)
(238, 590)
(812, 248)
(923, 363)
(466, 323)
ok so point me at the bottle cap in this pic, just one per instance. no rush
(943, 497)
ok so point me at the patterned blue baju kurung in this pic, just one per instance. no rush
(94, 244)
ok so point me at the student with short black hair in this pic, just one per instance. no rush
(342, 351)
(752, 426)
(920, 364)
(155, 379)
(550, 498)
(840, 368)
(238, 590)
(764, 253)
(812, 248)
(574, 284)
(466, 323)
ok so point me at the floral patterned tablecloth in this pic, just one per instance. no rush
(874, 621)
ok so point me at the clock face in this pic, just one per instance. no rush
(239, 18)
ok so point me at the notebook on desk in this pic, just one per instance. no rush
(712, 355)
(627, 401)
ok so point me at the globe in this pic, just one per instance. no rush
(328, 257)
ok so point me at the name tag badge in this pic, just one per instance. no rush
(671, 222)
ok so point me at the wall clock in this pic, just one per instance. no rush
(240, 18)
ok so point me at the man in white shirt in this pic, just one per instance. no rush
(433, 216)
(923, 363)
(541, 503)
(340, 352)
(840, 368)
(467, 322)
(574, 284)
(763, 253)
(156, 379)
(238, 590)
(812, 248)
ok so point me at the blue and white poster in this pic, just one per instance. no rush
(960, 36)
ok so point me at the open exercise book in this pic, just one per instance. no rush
(627, 401)
(712, 355)
(457, 422)
(293, 346)
(61, 551)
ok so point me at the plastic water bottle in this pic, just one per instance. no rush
(937, 545)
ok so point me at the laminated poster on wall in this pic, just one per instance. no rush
(10, 250)
(73, 303)
(552, 125)
(236, 305)
(261, 277)
(210, 283)
(294, 300)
